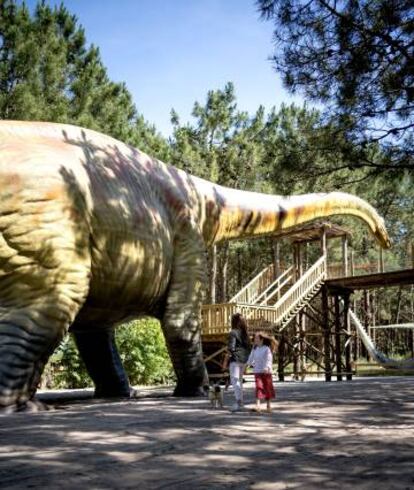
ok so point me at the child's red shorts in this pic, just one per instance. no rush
(264, 386)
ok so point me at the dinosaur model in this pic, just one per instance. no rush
(93, 232)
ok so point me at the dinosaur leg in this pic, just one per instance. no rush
(100, 355)
(44, 279)
(30, 330)
(182, 320)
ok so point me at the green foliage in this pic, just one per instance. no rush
(65, 368)
(142, 349)
(223, 144)
(49, 73)
(356, 58)
(143, 352)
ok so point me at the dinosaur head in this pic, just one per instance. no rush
(381, 234)
(234, 214)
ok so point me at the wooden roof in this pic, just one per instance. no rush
(312, 232)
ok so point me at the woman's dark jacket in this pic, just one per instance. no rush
(238, 347)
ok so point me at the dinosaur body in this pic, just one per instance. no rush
(93, 232)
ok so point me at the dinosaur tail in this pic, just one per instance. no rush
(232, 214)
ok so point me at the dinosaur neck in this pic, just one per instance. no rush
(233, 214)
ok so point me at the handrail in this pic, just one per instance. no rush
(271, 286)
(250, 292)
(301, 288)
(256, 278)
(216, 318)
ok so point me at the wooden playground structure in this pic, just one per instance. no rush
(308, 308)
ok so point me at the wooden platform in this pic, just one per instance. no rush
(403, 277)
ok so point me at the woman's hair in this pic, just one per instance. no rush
(238, 322)
(269, 340)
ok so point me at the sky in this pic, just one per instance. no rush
(170, 53)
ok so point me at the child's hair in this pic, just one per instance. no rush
(269, 340)
(238, 322)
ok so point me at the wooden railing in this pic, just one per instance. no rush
(359, 269)
(253, 300)
(312, 277)
(276, 287)
(250, 292)
(216, 318)
(258, 289)
(337, 269)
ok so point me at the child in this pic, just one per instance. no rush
(261, 358)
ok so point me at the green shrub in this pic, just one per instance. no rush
(141, 346)
(65, 368)
(143, 352)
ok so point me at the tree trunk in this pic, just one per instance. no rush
(239, 271)
(276, 258)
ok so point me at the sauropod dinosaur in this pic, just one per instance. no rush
(93, 232)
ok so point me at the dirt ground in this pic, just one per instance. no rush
(357, 434)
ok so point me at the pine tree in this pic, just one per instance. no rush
(49, 73)
(356, 57)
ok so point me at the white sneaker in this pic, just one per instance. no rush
(237, 407)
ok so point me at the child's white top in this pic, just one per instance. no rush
(261, 359)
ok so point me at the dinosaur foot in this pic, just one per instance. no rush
(189, 391)
(31, 406)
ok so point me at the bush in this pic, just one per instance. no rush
(141, 346)
(144, 353)
(65, 368)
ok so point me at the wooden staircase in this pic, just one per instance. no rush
(265, 303)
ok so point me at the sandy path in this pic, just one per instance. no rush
(358, 434)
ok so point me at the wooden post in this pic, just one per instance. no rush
(324, 249)
(296, 351)
(352, 263)
(326, 332)
(366, 319)
(281, 357)
(348, 342)
(373, 316)
(345, 255)
(276, 258)
(306, 256)
(294, 262)
(239, 271)
(302, 345)
(338, 339)
(356, 349)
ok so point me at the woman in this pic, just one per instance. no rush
(239, 349)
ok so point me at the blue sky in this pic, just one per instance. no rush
(171, 52)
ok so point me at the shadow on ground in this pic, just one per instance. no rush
(358, 434)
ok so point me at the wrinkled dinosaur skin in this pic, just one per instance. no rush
(94, 232)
